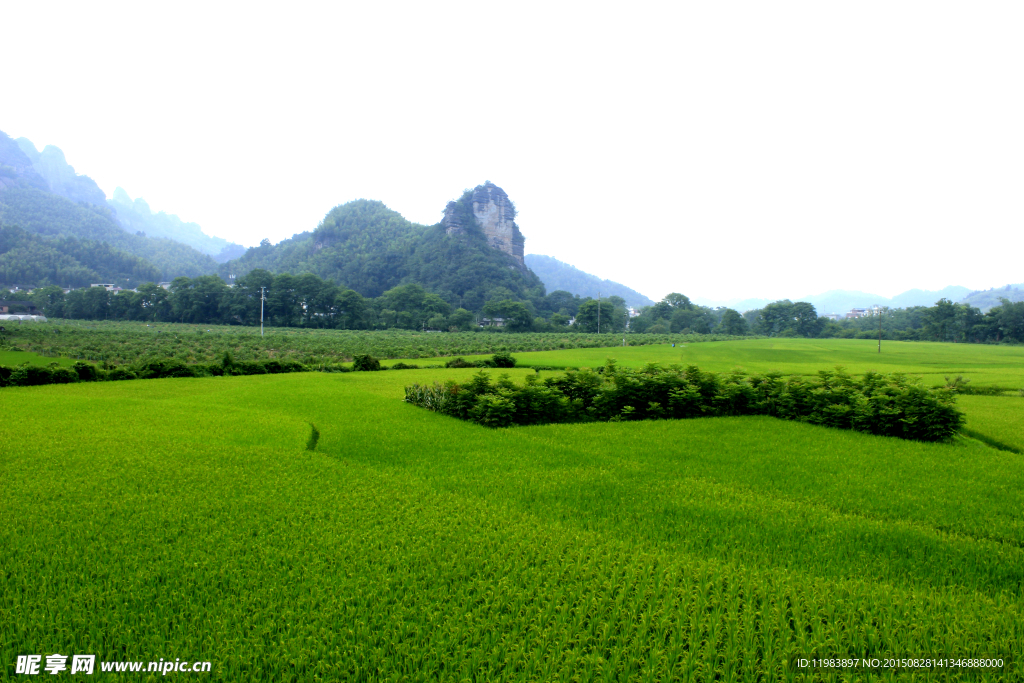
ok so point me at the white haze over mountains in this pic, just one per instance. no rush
(722, 150)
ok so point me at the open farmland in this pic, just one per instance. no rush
(997, 419)
(184, 518)
(120, 343)
(985, 365)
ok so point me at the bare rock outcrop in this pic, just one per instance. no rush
(494, 215)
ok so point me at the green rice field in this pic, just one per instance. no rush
(984, 364)
(186, 518)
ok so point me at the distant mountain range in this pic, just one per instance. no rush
(993, 297)
(136, 216)
(49, 171)
(70, 234)
(841, 300)
(557, 275)
(58, 229)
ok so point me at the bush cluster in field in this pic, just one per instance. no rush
(888, 405)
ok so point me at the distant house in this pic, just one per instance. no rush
(109, 288)
(492, 322)
(862, 312)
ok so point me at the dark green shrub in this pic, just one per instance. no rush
(503, 359)
(365, 363)
(248, 367)
(172, 367)
(5, 375)
(887, 405)
(86, 371)
(274, 367)
(60, 375)
(404, 366)
(30, 376)
(460, 363)
(117, 374)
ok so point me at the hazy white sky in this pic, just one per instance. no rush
(719, 149)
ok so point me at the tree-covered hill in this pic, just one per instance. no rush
(30, 259)
(990, 298)
(22, 165)
(367, 247)
(60, 176)
(558, 275)
(49, 215)
(136, 216)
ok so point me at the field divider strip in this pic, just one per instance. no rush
(989, 441)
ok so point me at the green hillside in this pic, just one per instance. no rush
(136, 216)
(557, 275)
(367, 247)
(27, 258)
(990, 298)
(50, 215)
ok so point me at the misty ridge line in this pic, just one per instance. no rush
(50, 169)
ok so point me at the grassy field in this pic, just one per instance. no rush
(996, 419)
(984, 365)
(184, 518)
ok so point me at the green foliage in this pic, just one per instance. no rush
(503, 359)
(49, 215)
(129, 342)
(711, 549)
(365, 363)
(371, 249)
(27, 258)
(884, 405)
(557, 275)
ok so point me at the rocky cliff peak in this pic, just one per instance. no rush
(494, 214)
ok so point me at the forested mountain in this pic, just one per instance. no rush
(991, 298)
(22, 165)
(49, 215)
(30, 259)
(77, 210)
(558, 275)
(136, 216)
(367, 247)
(16, 169)
(60, 176)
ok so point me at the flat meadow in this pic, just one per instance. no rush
(186, 518)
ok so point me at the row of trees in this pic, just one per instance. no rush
(306, 300)
(945, 321)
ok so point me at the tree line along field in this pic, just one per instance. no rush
(185, 518)
(129, 342)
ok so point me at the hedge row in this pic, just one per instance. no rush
(34, 375)
(890, 405)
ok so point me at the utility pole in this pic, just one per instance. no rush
(878, 309)
(263, 297)
(599, 312)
